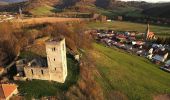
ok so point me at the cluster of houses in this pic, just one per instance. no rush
(6, 17)
(136, 43)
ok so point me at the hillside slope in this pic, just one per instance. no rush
(124, 76)
(106, 7)
(160, 10)
(109, 8)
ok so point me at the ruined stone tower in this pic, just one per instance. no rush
(56, 57)
(57, 63)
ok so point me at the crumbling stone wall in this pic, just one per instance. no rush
(37, 73)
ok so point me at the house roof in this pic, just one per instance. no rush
(139, 42)
(158, 58)
(121, 36)
(7, 89)
(132, 38)
(168, 62)
(159, 52)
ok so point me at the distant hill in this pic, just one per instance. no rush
(3, 3)
(12, 7)
(159, 10)
(76, 5)
(106, 7)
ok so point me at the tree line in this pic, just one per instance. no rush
(14, 37)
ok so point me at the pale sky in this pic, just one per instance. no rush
(150, 0)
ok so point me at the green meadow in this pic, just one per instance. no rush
(43, 10)
(134, 77)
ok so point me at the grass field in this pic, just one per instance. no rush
(129, 26)
(135, 77)
(43, 10)
(38, 88)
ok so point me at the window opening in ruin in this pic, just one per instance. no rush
(53, 49)
(42, 72)
(54, 59)
(32, 72)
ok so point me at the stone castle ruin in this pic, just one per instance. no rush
(56, 61)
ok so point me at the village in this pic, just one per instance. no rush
(84, 49)
(54, 67)
(132, 42)
(136, 43)
(6, 17)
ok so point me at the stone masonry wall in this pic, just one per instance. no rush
(56, 56)
(57, 64)
(37, 73)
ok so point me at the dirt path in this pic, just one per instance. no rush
(51, 20)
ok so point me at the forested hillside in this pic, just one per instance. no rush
(106, 7)
(159, 10)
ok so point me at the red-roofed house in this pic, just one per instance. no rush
(7, 91)
(140, 42)
(132, 38)
(121, 37)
